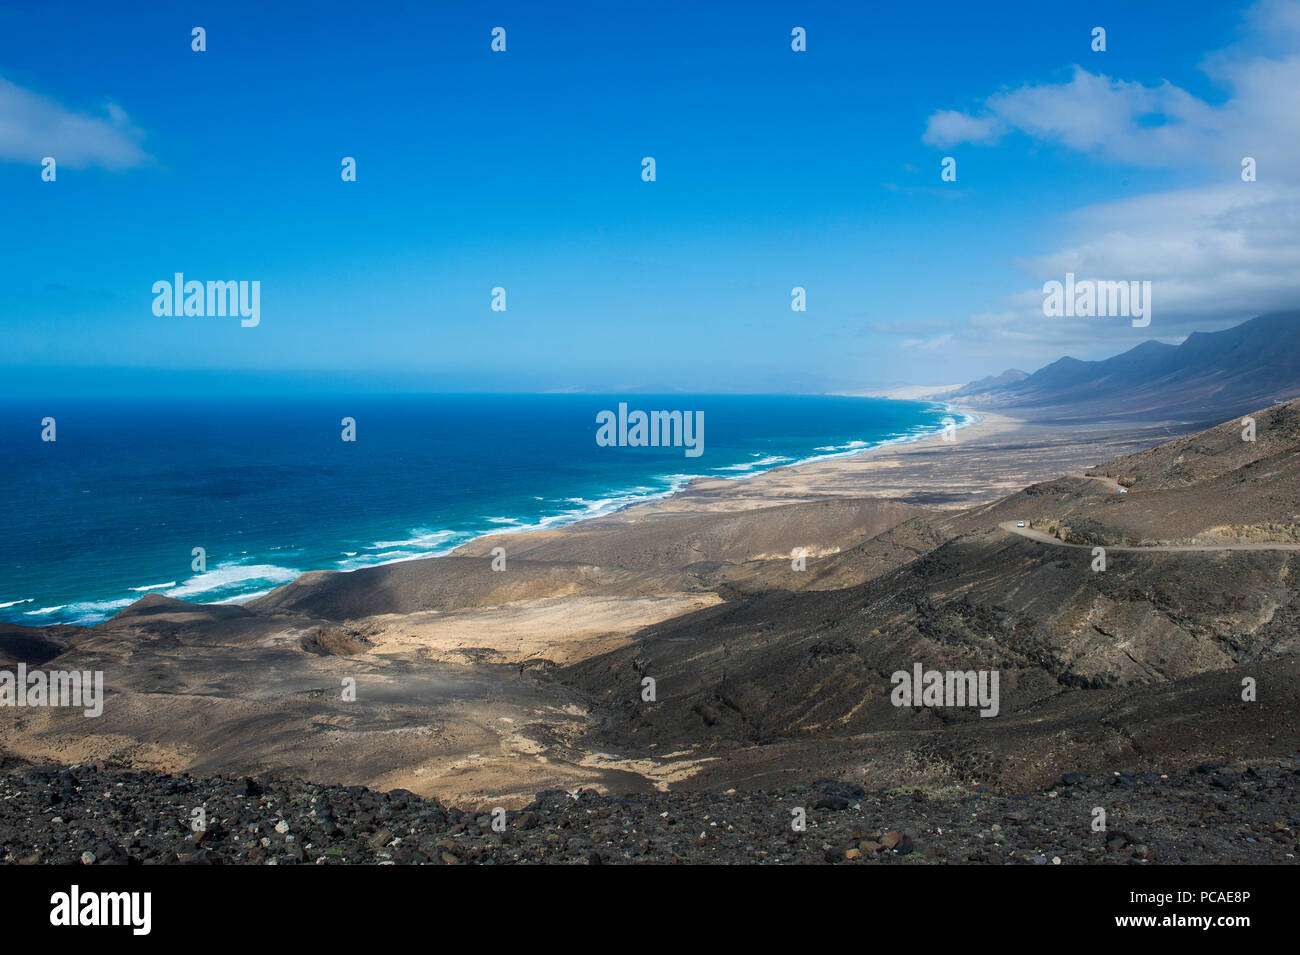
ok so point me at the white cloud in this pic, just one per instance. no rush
(1158, 125)
(33, 126)
(1223, 253)
(910, 328)
(1275, 19)
(927, 344)
(1215, 255)
(948, 127)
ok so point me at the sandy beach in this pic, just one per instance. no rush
(989, 459)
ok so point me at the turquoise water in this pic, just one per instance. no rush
(114, 507)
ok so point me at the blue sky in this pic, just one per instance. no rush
(523, 170)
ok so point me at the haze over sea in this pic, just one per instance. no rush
(114, 507)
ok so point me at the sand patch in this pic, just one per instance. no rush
(563, 630)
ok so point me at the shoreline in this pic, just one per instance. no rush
(479, 686)
(992, 455)
(651, 502)
(616, 502)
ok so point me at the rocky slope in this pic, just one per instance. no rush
(89, 815)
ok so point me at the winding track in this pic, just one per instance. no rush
(1033, 535)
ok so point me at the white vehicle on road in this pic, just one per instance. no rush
(1020, 523)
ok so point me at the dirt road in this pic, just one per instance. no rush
(1042, 538)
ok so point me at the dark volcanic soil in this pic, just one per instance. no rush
(103, 815)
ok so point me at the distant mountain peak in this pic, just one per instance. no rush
(1208, 377)
(992, 383)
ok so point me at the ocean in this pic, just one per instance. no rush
(115, 506)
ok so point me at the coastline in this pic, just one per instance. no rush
(453, 659)
(701, 493)
(206, 587)
(992, 455)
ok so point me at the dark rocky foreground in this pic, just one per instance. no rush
(88, 815)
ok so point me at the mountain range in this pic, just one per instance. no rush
(1209, 377)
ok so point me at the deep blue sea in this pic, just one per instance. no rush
(114, 507)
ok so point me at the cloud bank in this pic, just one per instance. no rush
(1215, 254)
(33, 126)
